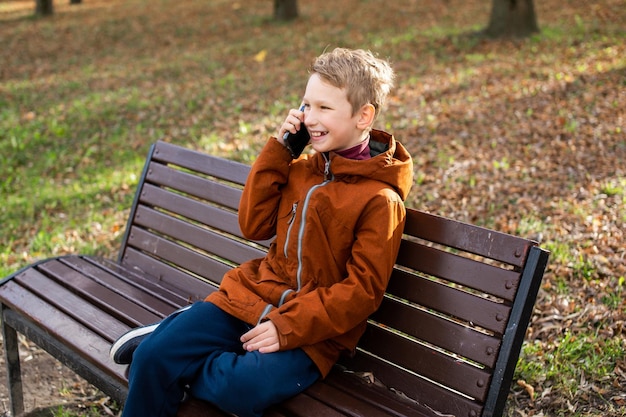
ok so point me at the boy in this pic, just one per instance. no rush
(279, 323)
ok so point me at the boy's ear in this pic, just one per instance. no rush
(366, 116)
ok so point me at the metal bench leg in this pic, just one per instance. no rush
(14, 373)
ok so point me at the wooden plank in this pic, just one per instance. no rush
(171, 252)
(195, 210)
(349, 403)
(84, 342)
(92, 317)
(449, 371)
(375, 393)
(194, 407)
(449, 301)
(133, 303)
(188, 287)
(458, 269)
(303, 405)
(109, 385)
(198, 408)
(205, 188)
(204, 239)
(206, 164)
(452, 337)
(470, 238)
(436, 397)
(124, 282)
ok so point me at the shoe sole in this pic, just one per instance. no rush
(130, 335)
(138, 332)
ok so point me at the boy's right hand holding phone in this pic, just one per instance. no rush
(293, 133)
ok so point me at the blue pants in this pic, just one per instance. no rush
(200, 349)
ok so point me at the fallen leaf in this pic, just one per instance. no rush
(260, 57)
(529, 389)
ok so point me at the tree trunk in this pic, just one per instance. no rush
(43, 7)
(285, 9)
(513, 18)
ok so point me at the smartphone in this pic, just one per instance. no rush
(296, 142)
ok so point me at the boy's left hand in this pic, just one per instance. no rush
(263, 338)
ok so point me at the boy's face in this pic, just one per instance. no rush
(328, 117)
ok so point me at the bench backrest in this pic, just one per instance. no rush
(449, 331)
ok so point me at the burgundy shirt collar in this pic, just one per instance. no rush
(358, 152)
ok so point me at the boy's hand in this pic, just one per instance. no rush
(292, 123)
(263, 338)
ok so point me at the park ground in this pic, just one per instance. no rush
(526, 136)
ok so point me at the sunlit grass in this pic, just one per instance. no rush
(571, 363)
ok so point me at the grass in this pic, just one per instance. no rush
(524, 136)
(573, 365)
(76, 411)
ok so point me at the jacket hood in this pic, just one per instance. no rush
(391, 163)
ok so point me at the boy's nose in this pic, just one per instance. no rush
(309, 118)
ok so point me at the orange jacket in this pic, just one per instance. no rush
(338, 225)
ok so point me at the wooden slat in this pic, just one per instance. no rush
(204, 239)
(304, 405)
(449, 301)
(349, 403)
(375, 393)
(205, 188)
(134, 303)
(194, 407)
(425, 361)
(464, 271)
(173, 253)
(125, 283)
(201, 162)
(78, 308)
(435, 396)
(473, 239)
(188, 287)
(62, 327)
(211, 216)
(450, 336)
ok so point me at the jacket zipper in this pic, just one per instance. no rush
(328, 177)
(294, 208)
(265, 312)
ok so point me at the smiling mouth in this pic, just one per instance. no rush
(318, 134)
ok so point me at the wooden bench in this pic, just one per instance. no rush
(444, 342)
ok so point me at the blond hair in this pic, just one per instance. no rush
(366, 79)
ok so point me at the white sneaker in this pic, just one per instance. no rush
(122, 349)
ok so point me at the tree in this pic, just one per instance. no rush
(285, 9)
(514, 18)
(45, 7)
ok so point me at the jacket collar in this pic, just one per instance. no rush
(390, 163)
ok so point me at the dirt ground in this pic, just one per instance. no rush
(49, 385)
